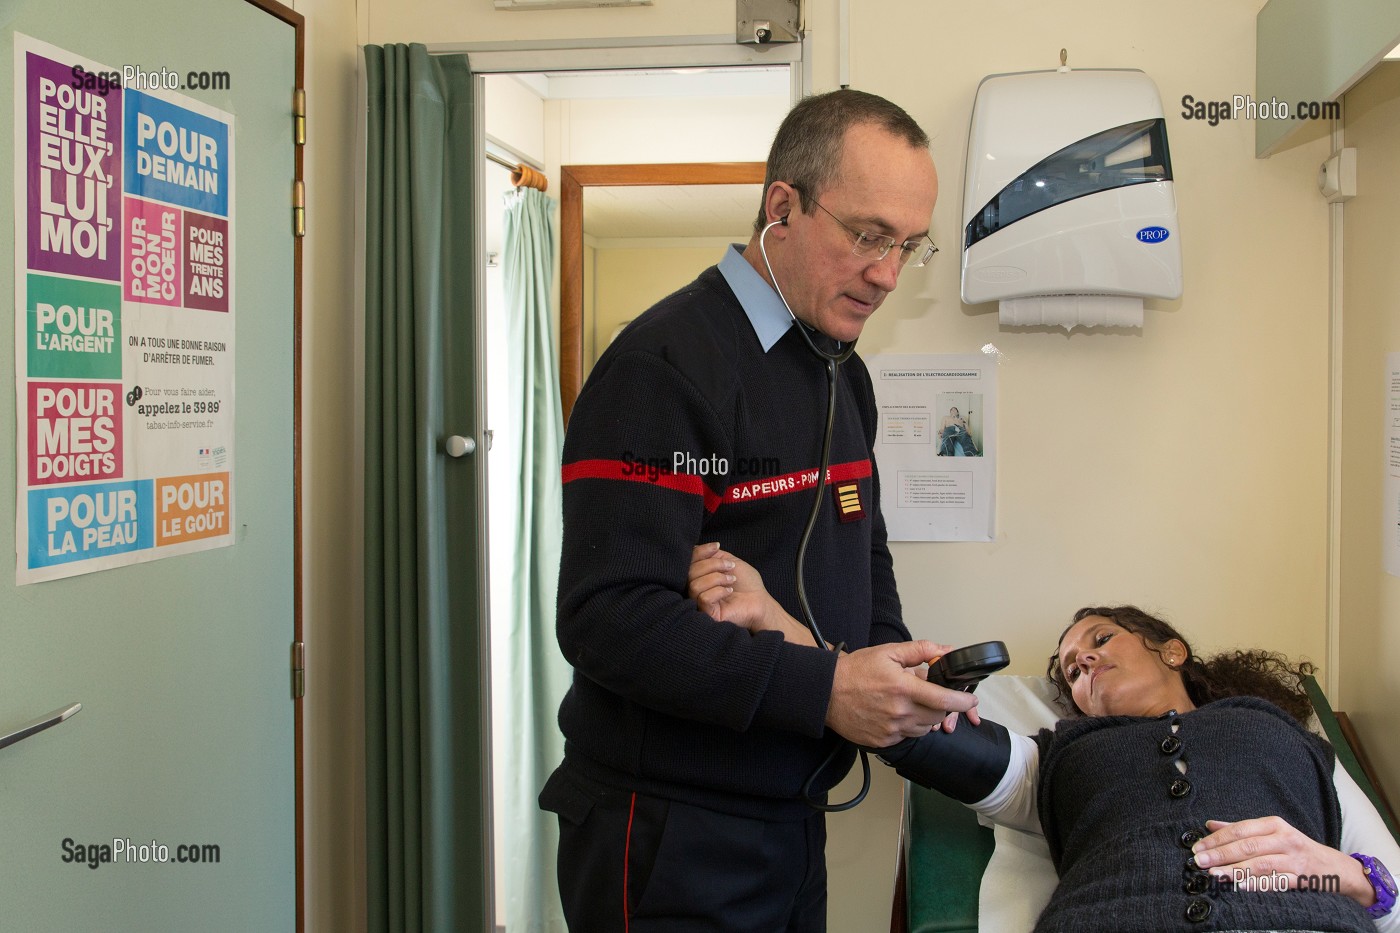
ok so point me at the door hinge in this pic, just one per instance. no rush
(299, 116)
(299, 138)
(298, 670)
(299, 208)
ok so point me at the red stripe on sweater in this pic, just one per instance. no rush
(631, 471)
(766, 488)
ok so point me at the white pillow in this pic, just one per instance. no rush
(1020, 877)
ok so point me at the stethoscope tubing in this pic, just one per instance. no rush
(833, 363)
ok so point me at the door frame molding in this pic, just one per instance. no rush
(506, 57)
(572, 180)
(298, 23)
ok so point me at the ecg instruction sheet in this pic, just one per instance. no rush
(936, 445)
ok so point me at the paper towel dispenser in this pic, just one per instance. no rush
(1068, 209)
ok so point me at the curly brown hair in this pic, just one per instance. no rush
(1264, 674)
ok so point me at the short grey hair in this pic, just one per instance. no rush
(806, 151)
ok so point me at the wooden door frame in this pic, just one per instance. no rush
(573, 179)
(298, 23)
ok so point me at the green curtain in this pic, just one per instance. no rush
(425, 794)
(536, 674)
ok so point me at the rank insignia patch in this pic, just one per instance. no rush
(848, 505)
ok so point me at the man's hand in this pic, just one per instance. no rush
(879, 695)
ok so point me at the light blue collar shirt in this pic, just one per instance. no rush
(770, 319)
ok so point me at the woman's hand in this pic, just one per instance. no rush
(1271, 848)
(731, 590)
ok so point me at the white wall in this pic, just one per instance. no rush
(1169, 468)
(1371, 328)
(677, 130)
(515, 116)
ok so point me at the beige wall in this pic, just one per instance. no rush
(629, 279)
(1158, 467)
(470, 21)
(1169, 467)
(1370, 633)
(332, 476)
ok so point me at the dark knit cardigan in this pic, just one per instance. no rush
(666, 700)
(1120, 817)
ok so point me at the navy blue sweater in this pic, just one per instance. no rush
(687, 432)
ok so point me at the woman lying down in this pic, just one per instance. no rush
(1185, 796)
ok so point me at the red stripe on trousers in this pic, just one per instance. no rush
(626, 857)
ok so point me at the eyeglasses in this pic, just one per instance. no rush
(876, 246)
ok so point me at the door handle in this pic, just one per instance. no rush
(459, 446)
(40, 724)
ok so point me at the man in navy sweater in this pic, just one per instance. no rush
(693, 745)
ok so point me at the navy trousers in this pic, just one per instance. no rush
(629, 863)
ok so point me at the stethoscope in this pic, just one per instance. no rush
(833, 363)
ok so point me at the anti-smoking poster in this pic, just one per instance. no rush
(123, 319)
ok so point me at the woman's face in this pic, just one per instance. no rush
(1114, 672)
(953, 412)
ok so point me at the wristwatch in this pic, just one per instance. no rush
(1381, 880)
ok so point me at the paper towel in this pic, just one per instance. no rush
(1070, 311)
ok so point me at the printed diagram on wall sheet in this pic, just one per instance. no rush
(936, 445)
(123, 319)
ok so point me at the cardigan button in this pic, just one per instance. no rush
(1190, 838)
(1198, 883)
(1170, 745)
(1197, 911)
(1179, 788)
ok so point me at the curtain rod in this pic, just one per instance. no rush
(521, 175)
(500, 161)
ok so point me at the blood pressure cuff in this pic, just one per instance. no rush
(965, 764)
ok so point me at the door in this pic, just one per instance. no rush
(169, 801)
